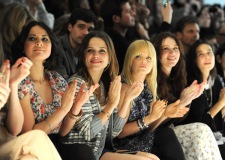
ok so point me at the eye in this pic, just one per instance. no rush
(102, 51)
(148, 58)
(138, 56)
(90, 29)
(165, 49)
(175, 48)
(44, 39)
(81, 26)
(89, 50)
(31, 38)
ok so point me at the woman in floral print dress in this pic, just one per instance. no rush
(44, 96)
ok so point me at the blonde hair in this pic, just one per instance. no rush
(133, 50)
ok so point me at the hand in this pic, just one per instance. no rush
(20, 70)
(222, 97)
(114, 91)
(158, 109)
(167, 12)
(134, 90)
(173, 110)
(81, 97)
(4, 83)
(191, 92)
(68, 97)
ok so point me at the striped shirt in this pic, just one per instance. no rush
(89, 128)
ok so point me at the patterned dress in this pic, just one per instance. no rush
(40, 109)
(142, 140)
(198, 142)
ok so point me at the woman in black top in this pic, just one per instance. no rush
(207, 107)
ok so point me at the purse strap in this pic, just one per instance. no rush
(109, 138)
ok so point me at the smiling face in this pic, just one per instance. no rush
(96, 55)
(38, 45)
(170, 54)
(205, 58)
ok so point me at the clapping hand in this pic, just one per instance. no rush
(81, 97)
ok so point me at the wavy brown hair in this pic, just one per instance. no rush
(170, 87)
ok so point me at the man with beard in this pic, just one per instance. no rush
(187, 31)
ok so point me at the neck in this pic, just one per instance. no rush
(95, 75)
(122, 31)
(139, 77)
(37, 73)
(205, 76)
(166, 70)
(74, 45)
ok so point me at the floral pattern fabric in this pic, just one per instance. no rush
(40, 109)
(197, 141)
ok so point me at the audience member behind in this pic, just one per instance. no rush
(13, 17)
(33, 144)
(207, 107)
(187, 31)
(118, 17)
(44, 96)
(101, 118)
(37, 10)
(172, 85)
(160, 18)
(220, 63)
(81, 22)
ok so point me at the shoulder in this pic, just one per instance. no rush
(76, 77)
(56, 78)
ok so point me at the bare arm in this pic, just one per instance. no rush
(15, 117)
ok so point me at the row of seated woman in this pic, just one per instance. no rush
(149, 111)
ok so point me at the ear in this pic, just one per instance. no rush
(70, 27)
(179, 35)
(115, 18)
(218, 58)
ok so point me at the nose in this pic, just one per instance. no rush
(95, 55)
(39, 43)
(171, 51)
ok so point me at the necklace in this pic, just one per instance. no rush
(208, 95)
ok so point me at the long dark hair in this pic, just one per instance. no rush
(170, 87)
(111, 70)
(220, 51)
(18, 45)
(193, 71)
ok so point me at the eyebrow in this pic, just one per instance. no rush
(36, 35)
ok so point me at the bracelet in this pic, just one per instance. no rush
(139, 125)
(50, 128)
(73, 116)
(143, 124)
(105, 112)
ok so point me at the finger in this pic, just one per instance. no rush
(82, 87)
(7, 73)
(17, 63)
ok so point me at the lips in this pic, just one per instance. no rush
(96, 61)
